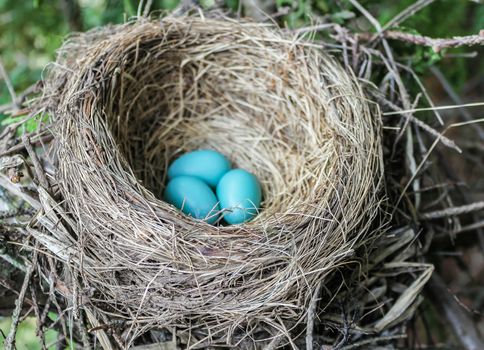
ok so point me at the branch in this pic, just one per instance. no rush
(35, 160)
(464, 209)
(436, 43)
(406, 13)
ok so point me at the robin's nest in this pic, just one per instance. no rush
(127, 100)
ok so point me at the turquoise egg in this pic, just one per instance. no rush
(194, 197)
(240, 194)
(206, 165)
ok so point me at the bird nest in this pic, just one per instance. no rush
(126, 100)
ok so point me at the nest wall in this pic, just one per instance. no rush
(128, 99)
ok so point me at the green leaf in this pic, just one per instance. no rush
(169, 4)
(29, 126)
(341, 16)
(232, 4)
(207, 3)
(128, 8)
(322, 6)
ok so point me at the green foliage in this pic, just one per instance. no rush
(299, 13)
(168, 4)
(232, 4)
(434, 21)
(32, 30)
(29, 126)
(26, 339)
(129, 8)
(207, 3)
(28, 40)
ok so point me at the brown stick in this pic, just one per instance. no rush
(436, 43)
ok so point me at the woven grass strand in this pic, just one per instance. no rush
(128, 99)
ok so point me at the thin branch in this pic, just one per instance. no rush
(436, 108)
(456, 99)
(373, 341)
(445, 140)
(436, 43)
(10, 341)
(464, 209)
(11, 90)
(39, 324)
(12, 261)
(12, 107)
(19, 191)
(147, 8)
(311, 315)
(471, 227)
(35, 160)
(20, 147)
(406, 13)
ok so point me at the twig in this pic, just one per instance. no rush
(257, 9)
(275, 342)
(456, 99)
(436, 108)
(18, 265)
(10, 88)
(461, 324)
(471, 227)
(52, 282)
(10, 341)
(373, 341)
(464, 209)
(445, 140)
(20, 147)
(311, 312)
(147, 8)
(436, 43)
(13, 106)
(39, 324)
(391, 66)
(35, 160)
(19, 191)
(406, 13)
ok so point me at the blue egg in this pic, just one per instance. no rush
(194, 197)
(239, 193)
(206, 165)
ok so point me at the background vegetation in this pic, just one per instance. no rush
(32, 30)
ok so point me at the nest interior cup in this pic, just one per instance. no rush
(132, 98)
